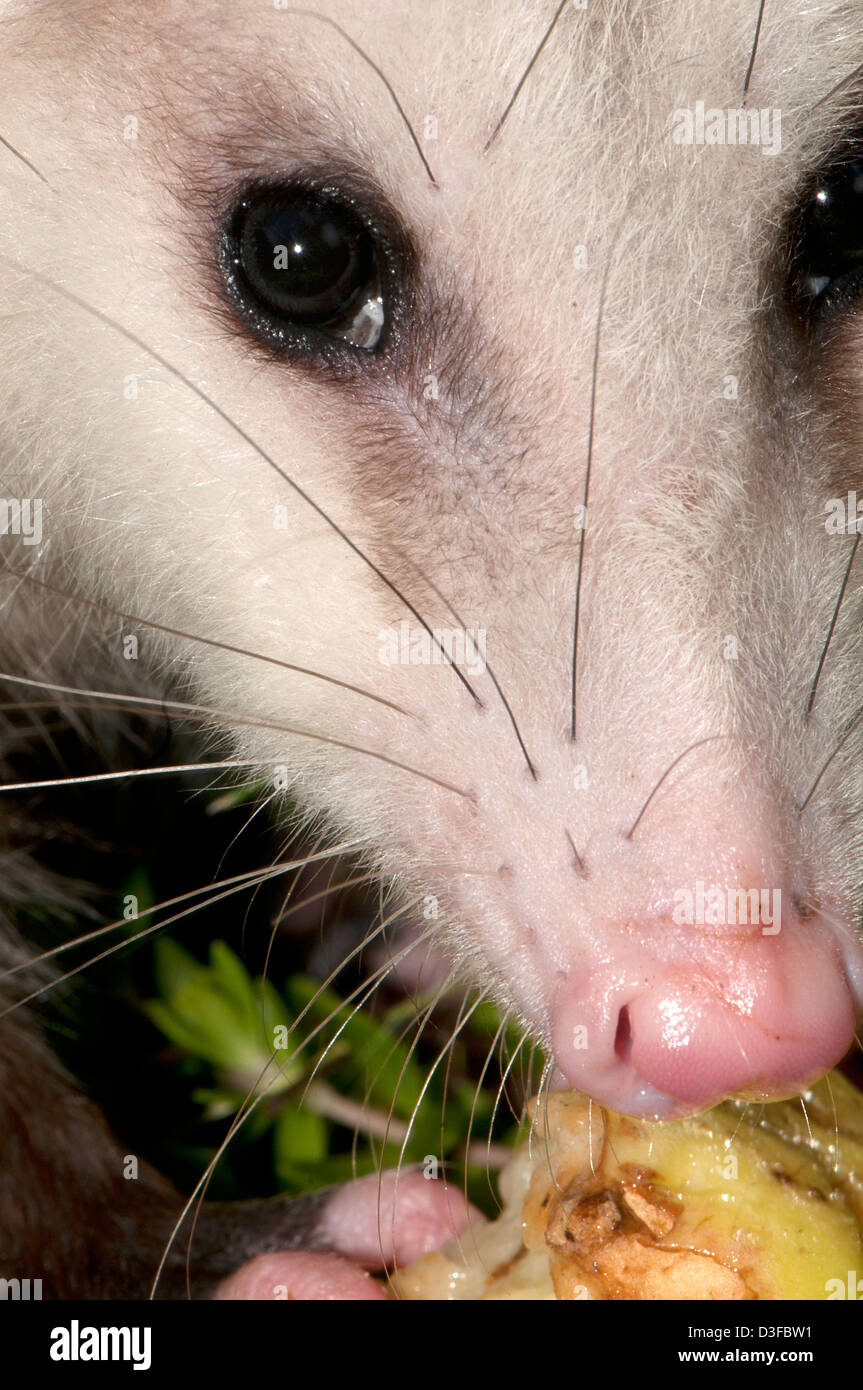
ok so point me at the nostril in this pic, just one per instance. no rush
(623, 1036)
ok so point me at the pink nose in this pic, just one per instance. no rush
(757, 1015)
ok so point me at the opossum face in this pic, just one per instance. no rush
(504, 452)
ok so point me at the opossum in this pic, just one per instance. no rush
(461, 404)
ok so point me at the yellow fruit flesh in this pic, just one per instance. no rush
(744, 1202)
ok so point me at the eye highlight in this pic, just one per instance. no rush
(304, 267)
(828, 261)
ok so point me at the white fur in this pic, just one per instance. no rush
(706, 515)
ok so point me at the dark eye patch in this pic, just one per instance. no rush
(310, 272)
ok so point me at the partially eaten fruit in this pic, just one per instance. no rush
(746, 1201)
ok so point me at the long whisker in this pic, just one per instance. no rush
(262, 806)
(748, 78)
(501, 1092)
(116, 776)
(246, 1108)
(254, 1100)
(540, 1116)
(444, 1092)
(836, 1144)
(7, 145)
(279, 916)
(517, 1056)
(833, 621)
(525, 75)
(243, 434)
(393, 1131)
(247, 877)
(590, 1156)
(130, 941)
(419, 1024)
(249, 723)
(253, 1096)
(476, 1095)
(594, 382)
(325, 19)
(840, 86)
(307, 901)
(489, 672)
(383, 970)
(492, 1047)
(251, 1100)
(849, 730)
(806, 1116)
(100, 607)
(322, 1099)
(461, 1024)
(286, 848)
(698, 744)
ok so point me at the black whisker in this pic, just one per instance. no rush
(238, 722)
(489, 672)
(588, 468)
(833, 620)
(525, 75)
(7, 145)
(698, 744)
(580, 865)
(747, 79)
(100, 607)
(232, 424)
(325, 19)
(849, 730)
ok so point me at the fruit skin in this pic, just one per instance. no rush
(746, 1201)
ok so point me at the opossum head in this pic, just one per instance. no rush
(487, 430)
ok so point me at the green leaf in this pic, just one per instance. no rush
(300, 1137)
(237, 796)
(173, 966)
(215, 1012)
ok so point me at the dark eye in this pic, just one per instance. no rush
(301, 260)
(829, 256)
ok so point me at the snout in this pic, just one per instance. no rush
(712, 1010)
